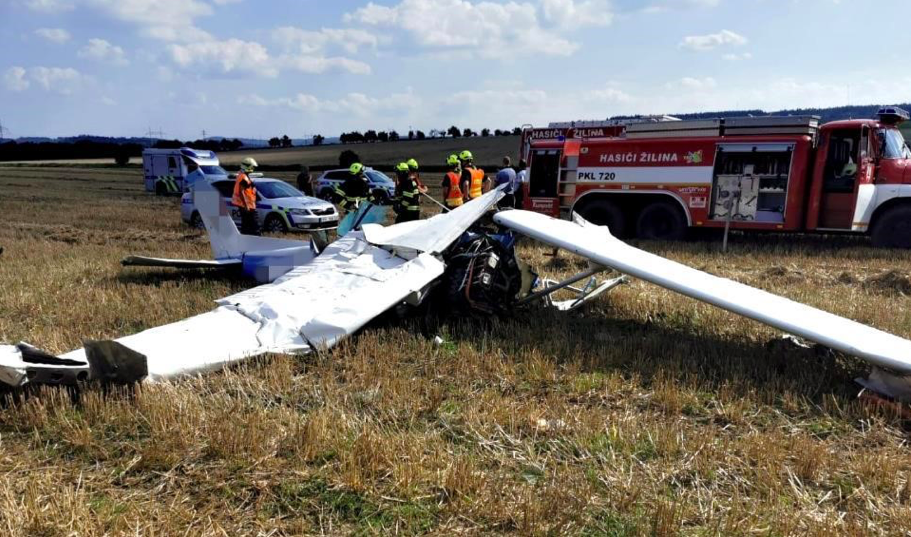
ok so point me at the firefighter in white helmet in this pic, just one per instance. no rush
(244, 198)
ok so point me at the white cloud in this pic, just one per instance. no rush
(103, 51)
(713, 41)
(577, 13)
(54, 35)
(235, 57)
(690, 83)
(63, 80)
(49, 6)
(14, 79)
(57, 79)
(228, 57)
(492, 30)
(167, 20)
(357, 104)
(309, 42)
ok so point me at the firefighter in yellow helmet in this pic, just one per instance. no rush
(474, 182)
(407, 203)
(354, 190)
(244, 198)
(452, 190)
(415, 175)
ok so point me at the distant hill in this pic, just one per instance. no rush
(826, 114)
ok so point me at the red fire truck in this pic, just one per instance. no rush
(657, 179)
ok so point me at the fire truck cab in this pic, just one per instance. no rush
(658, 179)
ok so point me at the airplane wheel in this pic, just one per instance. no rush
(605, 213)
(274, 224)
(196, 221)
(893, 229)
(661, 221)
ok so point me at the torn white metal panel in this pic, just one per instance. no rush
(435, 234)
(344, 288)
(12, 367)
(597, 244)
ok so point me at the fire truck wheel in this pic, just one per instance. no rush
(605, 213)
(893, 229)
(661, 221)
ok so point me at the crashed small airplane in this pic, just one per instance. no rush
(314, 297)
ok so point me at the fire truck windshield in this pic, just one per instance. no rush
(892, 144)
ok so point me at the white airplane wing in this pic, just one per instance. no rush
(310, 307)
(597, 244)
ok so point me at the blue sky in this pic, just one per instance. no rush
(258, 68)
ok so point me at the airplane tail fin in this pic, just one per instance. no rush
(227, 242)
(223, 234)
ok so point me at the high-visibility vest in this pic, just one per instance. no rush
(454, 198)
(476, 188)
(244, 193)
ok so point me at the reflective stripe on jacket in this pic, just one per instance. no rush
(244, 193)
(476, 188)
(454, 198)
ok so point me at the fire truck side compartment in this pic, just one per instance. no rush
(763, 172)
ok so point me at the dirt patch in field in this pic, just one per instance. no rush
(786, 274)
(891, 282)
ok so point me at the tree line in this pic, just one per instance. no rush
(372, 136)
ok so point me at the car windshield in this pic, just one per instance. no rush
(893, 144)
(277, 189)
(379, 178)
(213, 170)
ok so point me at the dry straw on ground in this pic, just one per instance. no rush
(647, 413)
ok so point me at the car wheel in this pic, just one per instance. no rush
(160, 189)
(893, 229)
(661, 221)
(274, 224)
(605, 213)
(196, 221)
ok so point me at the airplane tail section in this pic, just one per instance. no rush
(223, 234)
(227, 242)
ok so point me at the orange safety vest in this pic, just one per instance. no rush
(476, 188)
(244, 193)
(454, 198)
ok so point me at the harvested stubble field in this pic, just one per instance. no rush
(646, 413)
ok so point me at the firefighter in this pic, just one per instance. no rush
(452, 191)
(244, 198)
(354, 190)
(415, 175)
(474, 182)
(407, 204)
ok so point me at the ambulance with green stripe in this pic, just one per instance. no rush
(279, 207)
(172, 171)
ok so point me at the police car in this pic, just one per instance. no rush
(279, 207)
(381, 185)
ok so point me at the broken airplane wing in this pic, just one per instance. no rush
(598, 245)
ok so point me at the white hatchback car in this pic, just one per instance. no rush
(279, 206)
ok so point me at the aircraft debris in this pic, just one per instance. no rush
(317, 298)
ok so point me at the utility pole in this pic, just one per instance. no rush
(150, 133)
(204, 135)
(3, 131)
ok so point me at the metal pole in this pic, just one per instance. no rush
(445, 208)
(565, 283)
